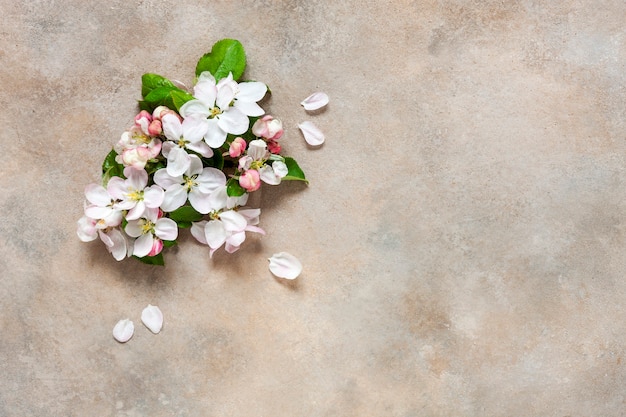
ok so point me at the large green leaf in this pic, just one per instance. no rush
(294, 172)
(150, 82)
(226, 56)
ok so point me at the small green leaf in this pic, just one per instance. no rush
(150, 82)
(168, 243)
(233, 189)
(226, 56)
(185, 214)
(110, 167)
(294, 172)
(152, 260)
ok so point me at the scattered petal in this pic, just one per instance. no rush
(312, 134)
(152, 318)
(123, 330)
(315, 101)
(285, 265)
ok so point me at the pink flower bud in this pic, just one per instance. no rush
(267, 127)
(157, 247)
(250, 180)
(237, 147)
(274, 147)
(159, 112)
(143, 120)
(155, 128)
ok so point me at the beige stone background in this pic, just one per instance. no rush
(463, 235)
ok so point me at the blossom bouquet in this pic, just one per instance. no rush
(190, 160)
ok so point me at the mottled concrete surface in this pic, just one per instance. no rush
(463, 235)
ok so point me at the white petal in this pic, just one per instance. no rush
(233, 121)
(197, 231)
(315, 101)
(166, 229)
(285, 265)
(312, 134)
(152, 318)
(123, 330)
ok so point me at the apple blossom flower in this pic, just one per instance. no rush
(182, 136)
(133, 194)
(150, 231)
(237, 147)
(274, 173)
(212, 101)
(114, 239)
(196, 184)
(139, 144)
(268, 128)
(227, 228)
(250, 180)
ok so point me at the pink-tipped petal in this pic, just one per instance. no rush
(312, 134)
(285, 265)
(315, 101)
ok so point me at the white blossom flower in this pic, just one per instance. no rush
(150, 231)
(132, 193)
(228, 229)
(196, 184)
(183, 136)
(224, 106)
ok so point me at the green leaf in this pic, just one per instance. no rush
(159, 95)
(233, 189)
(226, 56)
(152, 260)
(110, 167)
(294, 172)
(180, 97)
(216, 161)
(150, 82)
(168, 243)
(185, 214)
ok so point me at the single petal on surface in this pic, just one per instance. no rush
(123, 330)
(312, 134)
(285, 265)
(152, 318)
(315, 101)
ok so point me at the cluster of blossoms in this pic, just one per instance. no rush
(189, 160)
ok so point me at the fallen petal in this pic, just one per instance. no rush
(315, 101)
(285, 265)
(123, 330)
(312, 134)
(152, 318)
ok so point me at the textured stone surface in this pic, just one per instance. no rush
(463, 235)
